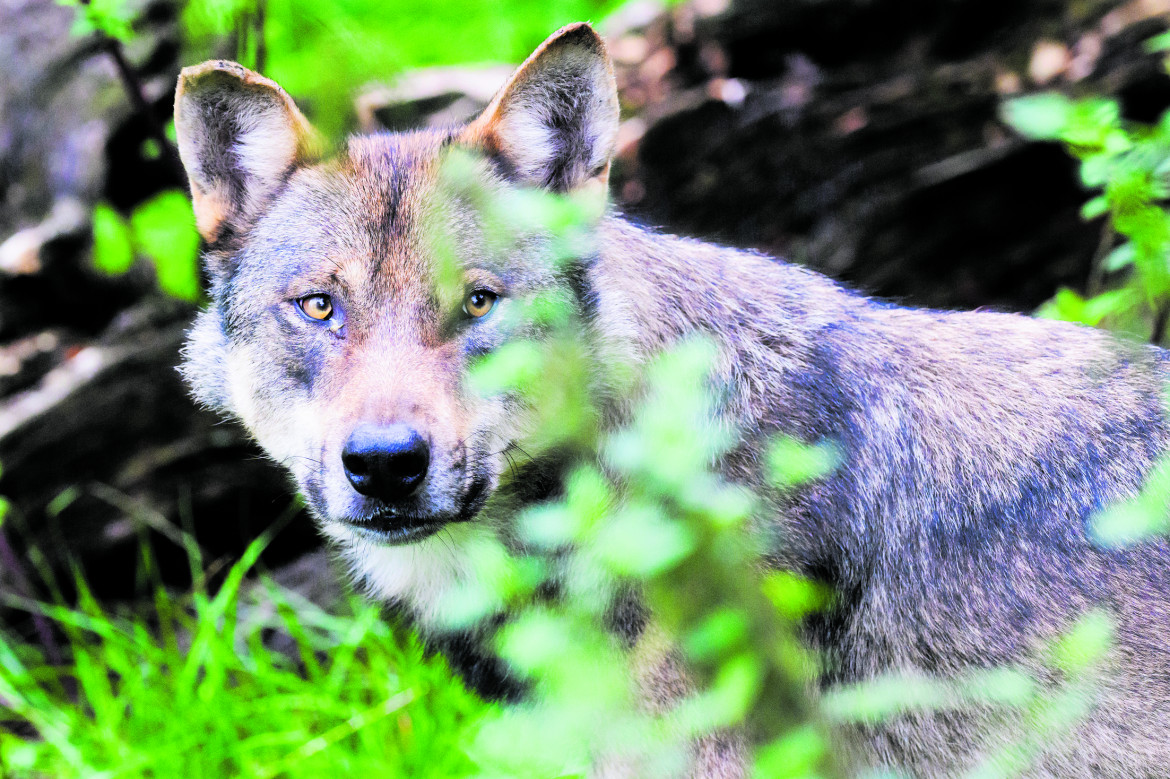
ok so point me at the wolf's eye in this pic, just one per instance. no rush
(479, 302)
(319, 307)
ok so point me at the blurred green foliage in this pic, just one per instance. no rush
(653, 517)
(107, 17)
(653, 520)
(1126, 165)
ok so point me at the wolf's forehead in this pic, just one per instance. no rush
(363, 213)
(391, 176)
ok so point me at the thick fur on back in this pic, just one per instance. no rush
(976, 446)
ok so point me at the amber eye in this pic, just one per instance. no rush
(479, 302)
(319, 307)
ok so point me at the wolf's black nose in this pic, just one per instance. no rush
(386, 462)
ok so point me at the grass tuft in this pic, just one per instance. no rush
(195, 686)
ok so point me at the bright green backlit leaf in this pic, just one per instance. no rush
(1158, 43)
(642, 542)
(794, 596)
(515, 365)
(718, 633)
(534, 640)
(1095, 171)
(113, 248)
(549, 526)
(1042, 117)
(1094, 126)
(792, 462)
(1128, 523)
(734, 689)
(108, 17)
(1098, 206)
(588, 495)
(164, 228)
(795, 754)
(1085, 644)
(1000, 686)
(1107, 304)
(885, 696)
(1135, 520)
(1121, 257)
(1071, 307)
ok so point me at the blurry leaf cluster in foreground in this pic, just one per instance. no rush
(1127, 167)
(645, 513)
(108, 17)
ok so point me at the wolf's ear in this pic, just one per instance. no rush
(240, 135)
(554, 124)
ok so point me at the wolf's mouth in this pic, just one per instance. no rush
(394, 528)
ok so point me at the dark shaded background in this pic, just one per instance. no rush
(860, 137)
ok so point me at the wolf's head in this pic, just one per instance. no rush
(331, 332)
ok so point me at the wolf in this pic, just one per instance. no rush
(975, 446)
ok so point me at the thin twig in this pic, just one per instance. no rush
(24, 589)
(1097, 269)
(261, 43)
(136, 91)
(1160, 321)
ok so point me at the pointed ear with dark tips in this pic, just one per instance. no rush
(240, 135)
(554, 124)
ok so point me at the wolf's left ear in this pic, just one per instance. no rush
(240, 135)
(554, 124)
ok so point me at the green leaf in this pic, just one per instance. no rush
(642, 542)
(1106, 304)
(1085, 644)
(113, 248)
(720, 632)
(1121, 257)
(515, 365)
(108, 17)
(1094, 208)
(164, 228)
(1071, 307)
(793, 462)
(794, 596)
(1095, 171)
(794, 754)
(1040, 117)
(1158, 43)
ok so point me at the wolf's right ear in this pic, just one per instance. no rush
(240, 135)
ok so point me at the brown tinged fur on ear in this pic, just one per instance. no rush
(240, 135)
(554, 124)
